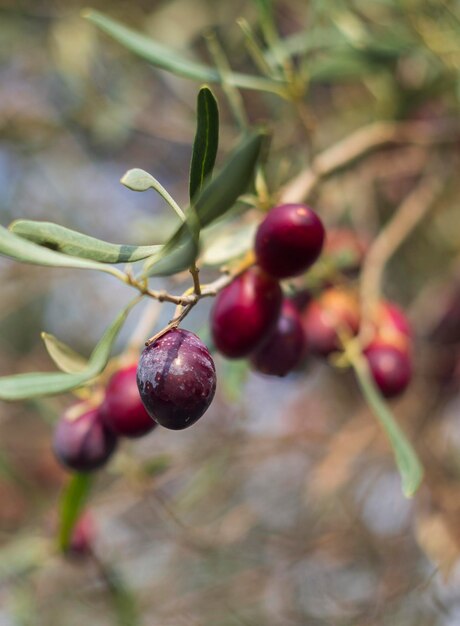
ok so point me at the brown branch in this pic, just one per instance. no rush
(360, 143)
(410, 212)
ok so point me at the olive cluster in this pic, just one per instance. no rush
(175, 380)
(251, 317)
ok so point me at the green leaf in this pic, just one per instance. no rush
(206, 141)
(20, 249)
(217, 197)
(63, 355)
(165, 58)
(342, 67)
(71, 505)
(180, 252)
(234, 376)
(140, 180)
(408, 464)
(37, 384)
(61, 239)
(220, 194)
(226, 240)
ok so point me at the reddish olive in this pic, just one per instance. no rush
(289, 240)
(123, 410)
(390, 366)
(334, 312)
(245, 312)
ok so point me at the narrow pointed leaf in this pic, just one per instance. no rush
(165, 58)
(217, 197)
(160, 55)
(206, 141)
(180, 252)
(220, 194)
(63, 355)
(15, 247)
(67, 241)
(408, 464)
(72, 502)
(36, 384)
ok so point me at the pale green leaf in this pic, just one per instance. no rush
(37, 384)
(20, 249)
(63, 355)
(61, 239)
(139, 180)
(407, 461)
(225, 241)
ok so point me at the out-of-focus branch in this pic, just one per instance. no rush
(361, 142)
(408, 215)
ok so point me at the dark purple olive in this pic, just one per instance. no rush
(285, 347)
(245, 312)
(176, 378)
(390, 366)
(122, 410)
(289, 240)
(82, 442)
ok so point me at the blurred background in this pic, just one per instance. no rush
(282, 506)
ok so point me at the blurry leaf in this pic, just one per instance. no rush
(217, 197)
(36, 384)
(341, 67)
(157, 465)
(226, 241)
(76, 244)
(63, 356)
(180, 252)
(71, 505)
(305, 41)
(164, 57)
(21, 556)
(20, 249)
(150, 50)
(139, 180)
(206, 141)
(409, 466)
(265, 7)
(266, 18)
(124, 601)
(234, 375)
(220, 194)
